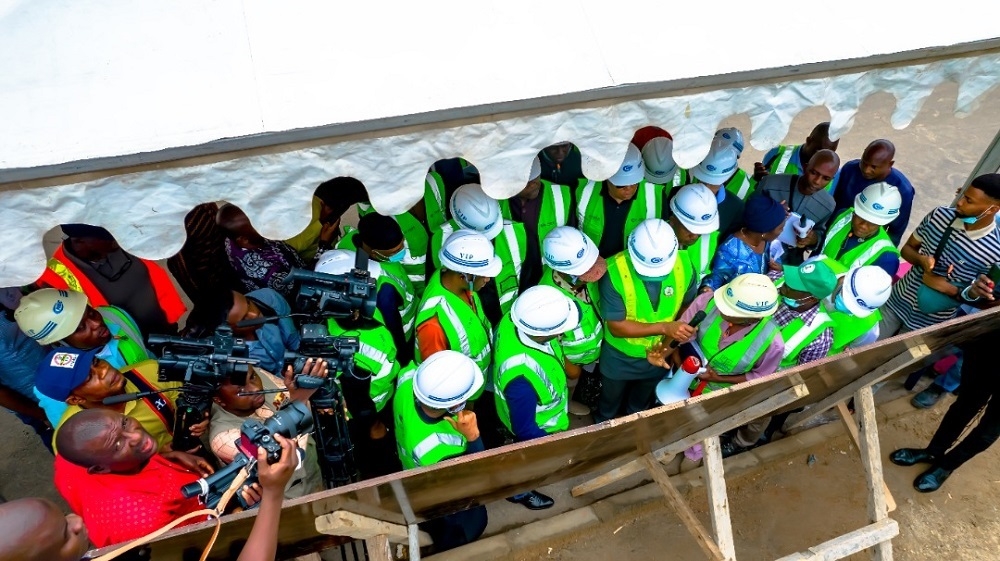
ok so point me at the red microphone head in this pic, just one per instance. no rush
(691, 364)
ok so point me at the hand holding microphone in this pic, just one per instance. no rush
(682, 332)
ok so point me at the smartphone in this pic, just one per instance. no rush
(994, 275)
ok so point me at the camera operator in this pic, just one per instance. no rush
(36, 530)
(231, 409)
(83, 381)
(375, 370)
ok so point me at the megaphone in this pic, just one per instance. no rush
(675, 388)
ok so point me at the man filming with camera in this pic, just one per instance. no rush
(84, 381)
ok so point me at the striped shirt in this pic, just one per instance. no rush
(817, 348)
(970, 255)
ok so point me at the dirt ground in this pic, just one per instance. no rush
(784, 508)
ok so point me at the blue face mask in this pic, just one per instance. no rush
(790, 302)
(398, 256)
(974, 219)
(838, 304)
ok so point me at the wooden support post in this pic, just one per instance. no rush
(852, 429)
(871, 459)
(685, 513)
(718, 501)
(761, 409)
(890, 368)
(414, 542)
(344, 523)
(379, 548)
(849, 544)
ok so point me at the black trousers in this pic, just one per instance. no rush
(980, 383)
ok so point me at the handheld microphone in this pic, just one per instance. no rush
(698, 318)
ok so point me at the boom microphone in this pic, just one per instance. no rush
(115, 399)
(698, 318)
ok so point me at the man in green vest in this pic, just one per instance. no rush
(532, 396)
(857, 236)
(376, 368)
(66, 318)
(806, 329)
(694, 217)
(573, 265)
(661, 169)
(541, 206)
(417, 224)
(792, 158)
(854, 308)
(717, 171)
(433, 425)
(641, 296)
(382, 239)
(608, 211)
(472, 209)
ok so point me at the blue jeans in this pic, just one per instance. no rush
(951, 379)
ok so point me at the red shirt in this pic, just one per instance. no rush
(119, 508)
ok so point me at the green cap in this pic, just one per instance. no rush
(815, 277)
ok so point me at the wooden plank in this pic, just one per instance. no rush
(379, 548)
(664, 454)
(850, 543)
(871, 459)
(345, 523)
(852, 429)
(685, 513)
(718, 501)
(897, 364)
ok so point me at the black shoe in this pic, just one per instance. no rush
(927, 398)
(730, 448)
(913, 379)
(931, 480)
(533, 500)
(911, 456)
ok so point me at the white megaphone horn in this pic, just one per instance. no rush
(674, 389)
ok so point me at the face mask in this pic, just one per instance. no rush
(398, 256)
(974, 219)
(471, 279)
(790, 302)
(838, 304)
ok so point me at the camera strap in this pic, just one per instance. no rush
(159, 403)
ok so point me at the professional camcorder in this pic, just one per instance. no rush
(291, 421)
(323, 295)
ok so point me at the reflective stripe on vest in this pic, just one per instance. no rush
(701, 258)
(435, 186)
(408, 310)
(518, 360)
(560, 206)
(848, 328)
(801, 336)
(864, 253)
(784, 158)
(633, 292)
(744, 187)
(438, 238)
(433, 441)
(583, 344)
(436, 301)
(511, 260)
(748, 348)
(581, 205)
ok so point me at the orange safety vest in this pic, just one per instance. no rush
(62, 273)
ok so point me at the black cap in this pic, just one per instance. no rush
(86, 231)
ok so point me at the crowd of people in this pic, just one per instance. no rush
(494, 321)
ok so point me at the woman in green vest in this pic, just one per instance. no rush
(857, 236)
(854, 308)
(626, 188)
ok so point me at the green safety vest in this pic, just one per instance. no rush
(782, 162)
(131, 344)
(736, 359)
(583, 344)
(556, 200)
(394, 274)
(376, 354)
(797, 336)
(415, 236)
(545, 371)
(511, 247)
(638, 307)
(418, 442)
(847, 328)
(701, 253)
(741, 185)
(647, 203)
(865, 253)
(468, 331)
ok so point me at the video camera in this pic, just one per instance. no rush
(291, 421)
(202, 365)
(323, 295)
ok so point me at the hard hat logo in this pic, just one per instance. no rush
(706, 217)
(710, 167)
(627, 168)
(656, 260)
(58, 307)
(580, 253)
(877, 206)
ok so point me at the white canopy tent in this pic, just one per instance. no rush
(128, 114)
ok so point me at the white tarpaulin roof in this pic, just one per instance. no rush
(380, 90)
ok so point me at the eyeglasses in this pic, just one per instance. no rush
(456, 409)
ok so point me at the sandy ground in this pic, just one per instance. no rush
(937, 152)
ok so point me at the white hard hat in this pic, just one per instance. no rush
(536, 169)
(544, 310)
(569, 251)
(473, 209)
(653, 248)
(658, 157)
(631, 171)
(447, 379)
(719, 165)
(750, 295)
(467, 251)
(697, 208)
(734, 137)
(49, 315)
(879, 203)
(866, 289)
(341, 261)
